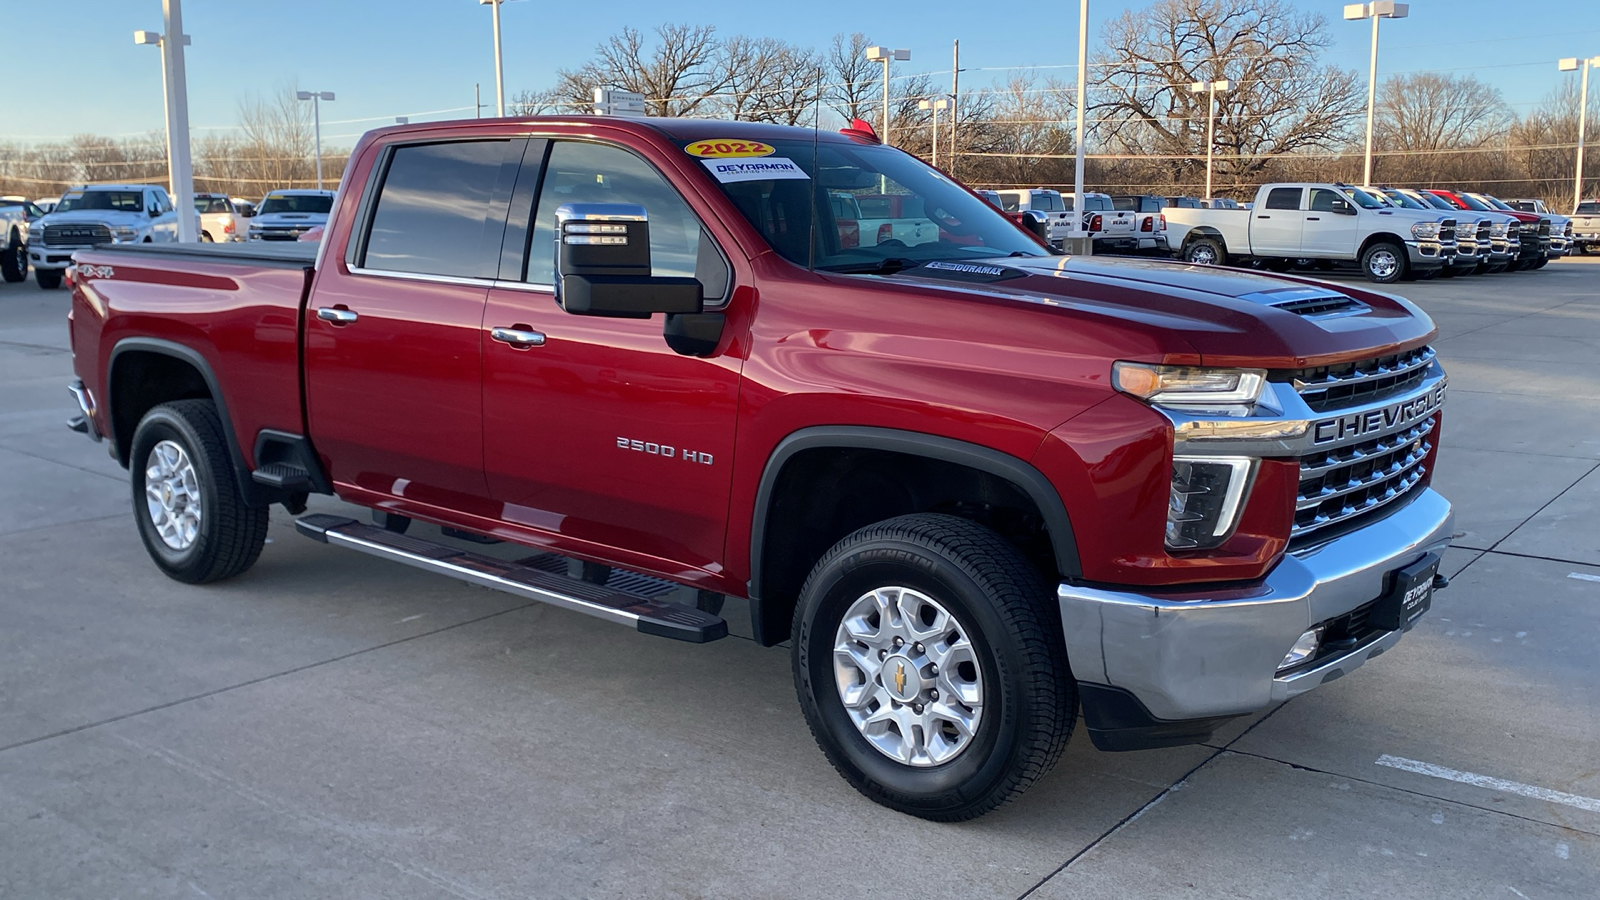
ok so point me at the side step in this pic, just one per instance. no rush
(284, 476)
(671, 620)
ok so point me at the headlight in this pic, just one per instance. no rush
(125, 233)
(1207, 494)
(1425, 230)
(1497, 229)
(1232, 392)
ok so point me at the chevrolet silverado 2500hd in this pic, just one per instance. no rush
(1331, 222)
(977, 485)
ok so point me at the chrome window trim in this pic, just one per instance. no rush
(420, 276)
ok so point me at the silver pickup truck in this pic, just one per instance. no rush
(1586, 226)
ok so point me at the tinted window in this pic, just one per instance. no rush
(598, 173)
(433, 209)
(1284, 198)
(1588, 208)
(296, 203)
(1326, 201)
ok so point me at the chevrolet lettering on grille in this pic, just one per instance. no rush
(1395, 415)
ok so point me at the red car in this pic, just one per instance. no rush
(978, 486)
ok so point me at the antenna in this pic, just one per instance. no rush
(816, 199)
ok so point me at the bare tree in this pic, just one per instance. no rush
(1437, 111)
(1281, 100)
(1031, 120)
(276, 145)
(678, 75)
(546, 102)
(770, 81)
(853, 79)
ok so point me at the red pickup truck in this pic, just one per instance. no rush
(977, 485)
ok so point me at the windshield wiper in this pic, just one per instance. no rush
(886, 266)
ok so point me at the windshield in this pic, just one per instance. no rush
(295, 203)
(1404, 201)
(1471, 202)
(904, 213)
(1493, 202)
(122, 201)
(1363, 199)
(1434, 200)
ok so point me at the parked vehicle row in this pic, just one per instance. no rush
(17, 215)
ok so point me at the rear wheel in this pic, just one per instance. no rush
(186, 498)
(14, 260)
(931, 668)
(48, 279)
(1384, 263)
(1204, 252)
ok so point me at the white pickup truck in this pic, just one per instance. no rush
(1586, 226)
(880, 218)
(1112, 230)
(1333, 222)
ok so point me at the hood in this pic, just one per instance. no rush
(1418, 215)
(1228, 317)
(109, 217)
(290, 218)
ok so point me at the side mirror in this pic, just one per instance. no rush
(1344, 209)
(603, 265)
(1037, 224)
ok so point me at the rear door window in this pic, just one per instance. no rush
(1284, 198)
(434, 214)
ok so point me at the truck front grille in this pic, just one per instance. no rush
(1327, 388)
(76, 235)
(1347, 482)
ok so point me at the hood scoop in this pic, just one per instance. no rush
(1310, 302)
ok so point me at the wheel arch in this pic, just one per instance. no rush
(1208, 232)
(773, 594)
(1381, 237)
(181, 373)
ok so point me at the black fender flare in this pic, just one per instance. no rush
(912, 443)
(253, 493)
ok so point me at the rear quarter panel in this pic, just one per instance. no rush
(241, 319)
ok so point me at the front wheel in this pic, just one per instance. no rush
(1384, 263)
(14, 260)
(48, 279)
(931, 668)
(1204, 252)
(186, 499)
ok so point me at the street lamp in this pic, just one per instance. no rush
(935, 105)
(175, 97)
(1375, 10)
(1082, 244)
(1211, 88)
(1572, 64)
(886, 56)
(316, 98)
(499, 72)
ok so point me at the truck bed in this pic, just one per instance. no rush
(275, 254)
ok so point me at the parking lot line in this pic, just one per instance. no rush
(1484, 781)
(1582, 577)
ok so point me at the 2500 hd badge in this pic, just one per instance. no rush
(1388, 418)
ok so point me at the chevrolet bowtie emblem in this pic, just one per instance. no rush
(900, 678)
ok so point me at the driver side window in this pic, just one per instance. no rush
(1327, 201)
(581, 172)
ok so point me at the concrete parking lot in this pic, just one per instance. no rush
(330, 725)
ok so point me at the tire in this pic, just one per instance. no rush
(1448, 272)
(185, 442)
(1204, 251)
(205, 238)
(1279, 265)
(1022, 696)
(1384, 263)
(48, 279)
(1540, 264)
(14, 260)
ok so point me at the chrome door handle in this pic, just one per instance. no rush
(337, 316)
(520, 338)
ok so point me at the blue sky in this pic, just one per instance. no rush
(421, 57)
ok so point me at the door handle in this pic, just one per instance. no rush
(520, 337)
(1313, 218)
(1263, 217)
(337, 315)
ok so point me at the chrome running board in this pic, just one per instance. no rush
(650, 616)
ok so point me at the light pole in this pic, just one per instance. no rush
(1571, 64)
(1375, 10)
(886, 56)
(1084, 246)
(499, 72)
(1211, 88)
(316, 98)
(935, 105)
(175, 96)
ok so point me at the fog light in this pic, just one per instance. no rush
(1207, 493)
(1303, 649)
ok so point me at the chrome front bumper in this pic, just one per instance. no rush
(1215, 654)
